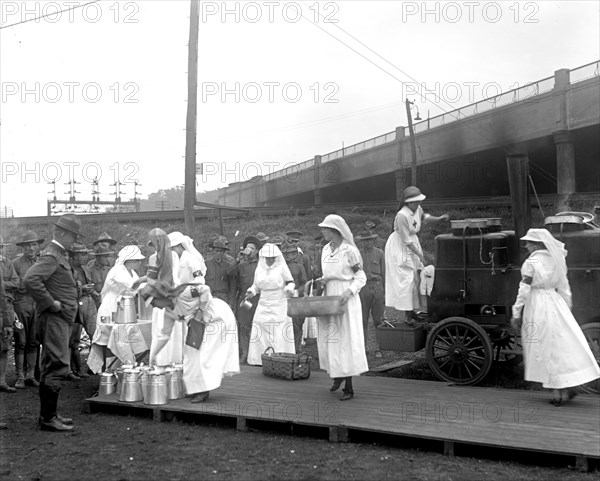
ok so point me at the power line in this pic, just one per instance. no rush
(49, 14)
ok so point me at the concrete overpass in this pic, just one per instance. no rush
(555, 121)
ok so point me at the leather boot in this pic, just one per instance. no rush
(19, 360)
(50, 420)
(337, 382)
(3, 386)
(30, 379)
(348, 390)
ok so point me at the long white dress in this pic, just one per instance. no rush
(340, 339)
(401, 264)
(173, 351)
(555, 350)
(271, 326)
(118, 282)
(204, 368)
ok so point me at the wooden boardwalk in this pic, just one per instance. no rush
(499, 418)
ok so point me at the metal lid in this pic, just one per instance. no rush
(585, 216)
(563, 219)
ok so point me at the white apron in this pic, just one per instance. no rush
(401, 264)
(340, 339)
(555, 350)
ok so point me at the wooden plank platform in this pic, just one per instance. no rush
(499, 418)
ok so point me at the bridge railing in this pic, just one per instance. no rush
(291, 170)
(585, 72)
(353, 149)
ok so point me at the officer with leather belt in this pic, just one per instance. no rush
(372, 296)
(51, 283)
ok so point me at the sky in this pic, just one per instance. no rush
(100, 91)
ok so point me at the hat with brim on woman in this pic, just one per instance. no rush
(70, 223)
(131, 253)
(29, 237)
(413, 194)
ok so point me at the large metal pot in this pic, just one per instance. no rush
(108, 383)
(157, 389)
(175, 382)
(119, 374)
(131, 391)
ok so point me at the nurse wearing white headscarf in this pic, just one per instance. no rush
(340, 339)
(271, 326)
(122, 279)
(555, 350)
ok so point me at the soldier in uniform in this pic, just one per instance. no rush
(107, 242)
(6, 325)
(216, 278)
(26, 343)
(241, 273)
(87, 311)
(294, 237)
(372, 296)
(99, 270)
(51, 283)
(378, 242)
(11, 284)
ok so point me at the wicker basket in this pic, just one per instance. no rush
(283, 365)
(314, 306)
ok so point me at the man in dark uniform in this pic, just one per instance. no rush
(104, 241)
(379, 241)
(372, 296)
(51, 283)
(99, 270)
(241, 273)
(293, 237)
(11, 284)
(26, 343)
(86, 312)
(292, 258)
(216, 278)
(6, 327)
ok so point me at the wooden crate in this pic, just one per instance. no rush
(401, 338)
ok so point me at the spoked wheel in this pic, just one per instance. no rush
(508, 348)
(591, 332)
(459, 351)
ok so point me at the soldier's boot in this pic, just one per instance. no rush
(19, 360)
(30, 379)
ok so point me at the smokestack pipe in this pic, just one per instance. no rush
(518, 181)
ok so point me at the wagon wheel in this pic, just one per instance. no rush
(591, 332)
(508, 348)
(459, 351)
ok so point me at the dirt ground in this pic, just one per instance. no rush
(119, 447)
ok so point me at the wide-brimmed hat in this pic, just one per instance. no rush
(105, 237)
(69, 222)
(262, 237)
(252, 240)
(28, 237)
(78, 248)
(365, 235)
(220, 244)
(102, 251)
(413, 194)
(277, 239)
(131, 253)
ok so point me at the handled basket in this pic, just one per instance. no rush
(314, 306)
(283, 365)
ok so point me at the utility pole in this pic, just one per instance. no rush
(413, 148)
(190, 124)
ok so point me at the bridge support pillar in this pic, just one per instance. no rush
(400, 183)
(317, 196)
(565, 162)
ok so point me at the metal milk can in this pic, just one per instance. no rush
(108, 383)
(175, 382)
(157, 388)
(132, 389)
